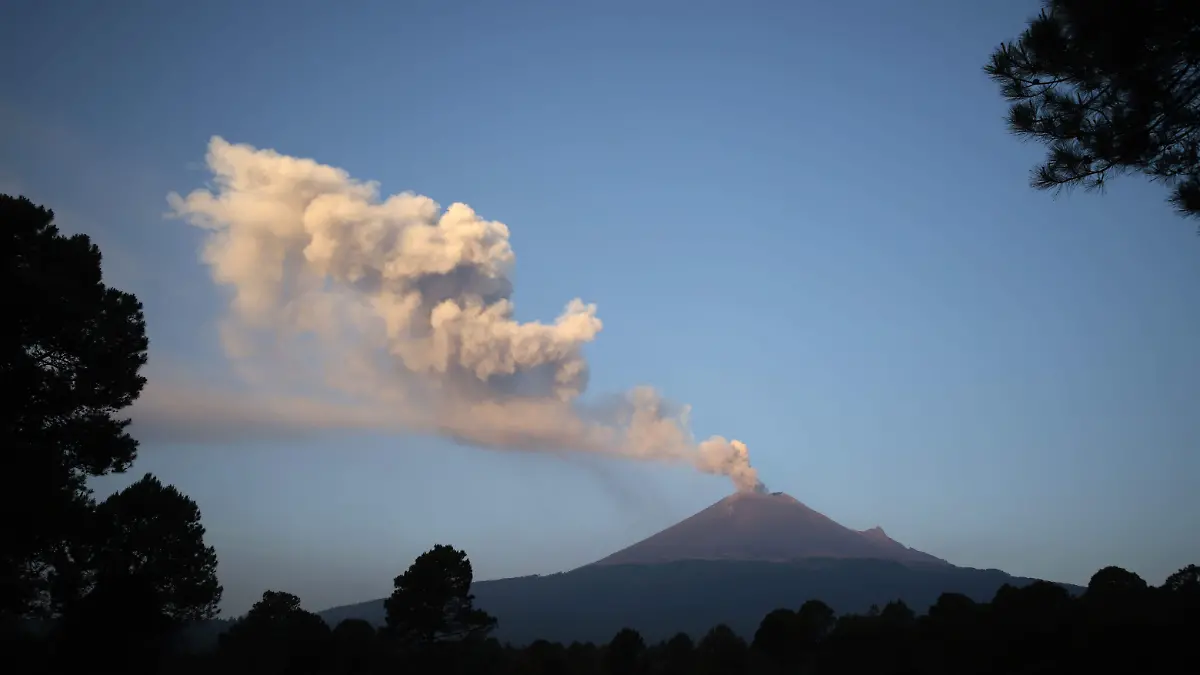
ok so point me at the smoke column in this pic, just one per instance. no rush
(401, 311)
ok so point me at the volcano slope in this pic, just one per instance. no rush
(731, 563)
(768, 528)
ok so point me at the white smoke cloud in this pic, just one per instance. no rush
(395, 314)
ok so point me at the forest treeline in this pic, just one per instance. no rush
(1119, 624)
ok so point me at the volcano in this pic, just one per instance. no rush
(765, 527)
(730, 563)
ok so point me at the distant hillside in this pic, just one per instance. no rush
(592, 603)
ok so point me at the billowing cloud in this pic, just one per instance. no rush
(393, 313)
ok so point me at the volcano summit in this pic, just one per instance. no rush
(772, 527)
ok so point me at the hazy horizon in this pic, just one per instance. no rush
(811, 230)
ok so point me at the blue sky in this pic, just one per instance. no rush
(805, 219)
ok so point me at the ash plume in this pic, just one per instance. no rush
(401, 311)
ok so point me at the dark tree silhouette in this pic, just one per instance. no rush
(277, 637)
(778, 638)
(543, 657)
(1186, 580)
(722, 652)
(1119, 626)
(70, 355)
(274, 606)
(1110, 86)
(1037, 616)
(679, 654)
(432, 601)
(953, 609)
(153, 532)
(624, 652)
(815, 620)
(955, 620)
(1114, 581)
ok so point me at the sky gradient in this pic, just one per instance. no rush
(805, 220)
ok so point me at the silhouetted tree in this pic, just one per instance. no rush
(898, 615)
(857, 642)
(1186, 580)
(1179, 612)
(679, 655)
(1114, 582)
(272, 608)
(546, 658)
(722, 652)
(70, 355)
(778, 638)
(789, 639)
(953, 609)
(583, 658)
(1118, 607)
(1035, 616)
(953, 623)
(815, 619)
(624, 652)
(432, 601)
(277, 637)
(1111, 86)
(152, 531)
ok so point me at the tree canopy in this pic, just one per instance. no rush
(70, 356)
(153, 531)
(276, 636)
(432, 600)
(1110, 87)
(624, 650)
(112, 583)
(1186, 580)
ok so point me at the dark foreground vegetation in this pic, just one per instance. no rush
(1118, 625)
(1109, 87)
